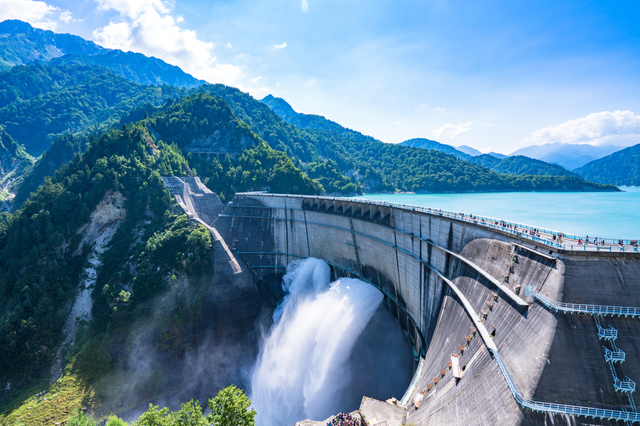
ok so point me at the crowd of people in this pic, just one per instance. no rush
(534, 232)
(342, 419)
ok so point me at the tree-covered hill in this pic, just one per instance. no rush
(620, 168)
(40, 103)
(40, 251)
(521, 165)
(384, 167)
(41, 244)
(429, 144)
(204, 127)
(309, 121)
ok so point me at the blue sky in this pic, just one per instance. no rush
(495, 75)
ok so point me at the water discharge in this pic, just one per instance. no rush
(303, 370)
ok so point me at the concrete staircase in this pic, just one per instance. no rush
(232, 304)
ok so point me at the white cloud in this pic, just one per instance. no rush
(280, 46)
(486, 124)
(33, 12)
(255, 80)
(304, 6)
(452, 130)
(229, 45)
(66, 17)
(600, 128)
(147, 26)
(438, 109)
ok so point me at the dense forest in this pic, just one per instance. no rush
(620, 168)
(384, 167)
(43, 235)
(41, 256)
(39, 103)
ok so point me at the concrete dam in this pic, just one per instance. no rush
(506, 328)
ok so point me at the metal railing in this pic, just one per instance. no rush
(626, 385)
(609, 333)
(573, 410)
(508, 227)
(615, 355)
(586, 309)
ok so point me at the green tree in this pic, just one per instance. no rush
(231, 408)
(81, 419)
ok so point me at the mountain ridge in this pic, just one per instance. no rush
(570, 156)
(24, 45)
(620, 168)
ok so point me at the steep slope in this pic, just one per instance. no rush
(109, 203)
(620, 168)
(41, 103)
(223, 149)
(134, 67)
(14, 161)
(22, 44)
(309, 121)
(429, 144)
(569, 156)
(60, 152)
(521, 165)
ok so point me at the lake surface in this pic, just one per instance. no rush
(598, 214)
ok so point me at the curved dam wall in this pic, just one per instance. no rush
(460, 289)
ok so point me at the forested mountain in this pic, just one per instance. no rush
(521, 165)
(384, 167)
(22, 44)
(44, 244)
(39, 103)
(620, 168)
(429, 144)
(134, 67)
(309, 121)
(567, 155)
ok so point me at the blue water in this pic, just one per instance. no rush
(597, 214)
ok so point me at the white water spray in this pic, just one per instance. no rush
(301, 370)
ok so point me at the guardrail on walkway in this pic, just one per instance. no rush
(508, 227)
(573, 410)
(582, 308)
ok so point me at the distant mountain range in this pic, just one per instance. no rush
(21, 44)
(468, 150)
(570, 156)
(521, 165)
(620, 168)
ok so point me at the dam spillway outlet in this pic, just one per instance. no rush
(326, 343)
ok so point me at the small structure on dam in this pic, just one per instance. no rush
(540, 331)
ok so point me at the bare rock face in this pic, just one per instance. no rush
(108, 212)
(103, 224)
